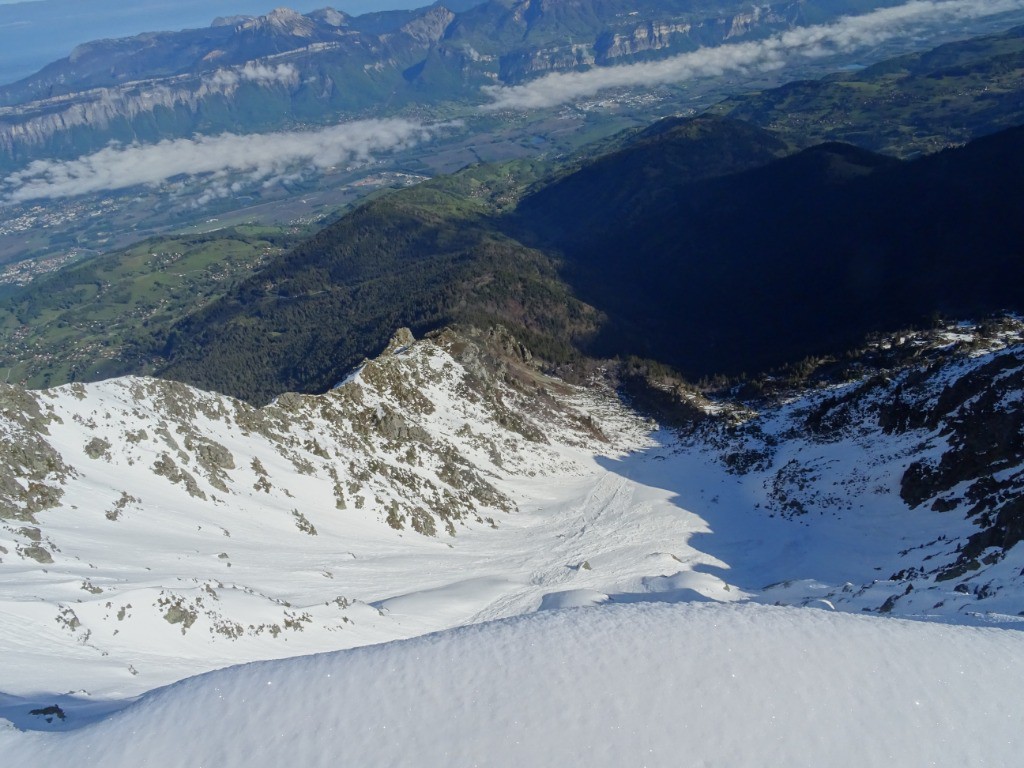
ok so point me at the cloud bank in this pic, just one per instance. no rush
(255, 72)
(257, 158)
(843, 36)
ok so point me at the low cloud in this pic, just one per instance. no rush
(254, 72)
(226, 162)
(846, 35)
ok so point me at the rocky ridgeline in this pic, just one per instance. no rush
(380, 442)
(139, 511)
(220, 499)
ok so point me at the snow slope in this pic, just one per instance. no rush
(640, 685)
(151, 532)
(181, 531)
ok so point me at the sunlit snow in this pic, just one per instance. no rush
(640, 685)
(601, 602)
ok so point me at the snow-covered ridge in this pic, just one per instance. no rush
(151, 531)
(144, 524)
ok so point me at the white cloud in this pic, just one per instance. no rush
(259, 158)
(285, 74)
(223, 79)
(255, 72)
(843, 36)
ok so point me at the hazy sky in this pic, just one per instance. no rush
(358, 6)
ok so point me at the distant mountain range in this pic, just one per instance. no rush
(286, 69)
(41, 31)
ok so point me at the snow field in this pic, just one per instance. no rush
(638, 685)
(651, 534)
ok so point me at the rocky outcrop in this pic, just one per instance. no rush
(653, 36)
(385, 440)
(431, 27)
(932, 424)
(32, 472)
(978, 423)
(745, 23)
(524, 64)
(281, 22)
(330, 17)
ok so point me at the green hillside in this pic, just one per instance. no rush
(105, 316)
(421, 258)
(912, 104)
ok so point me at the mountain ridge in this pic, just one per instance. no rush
(835, 243)
(833, 248)
(450, 481)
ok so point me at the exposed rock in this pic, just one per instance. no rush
(49, 713)
(38, 553)
(524, 64)
(652, 36)
(330, 16)
(31, 471)
(401, 339)
(430, 27)
(165, 467)
(97, 448)
(281, 21)
(946, 416)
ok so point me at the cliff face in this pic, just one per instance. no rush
(52, 123)
(429, 28)
(614, 38)
(524, 64)
(653, 36)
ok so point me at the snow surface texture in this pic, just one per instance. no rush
(154, 532)
(640, 685)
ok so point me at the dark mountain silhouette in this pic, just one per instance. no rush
(801, 256)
